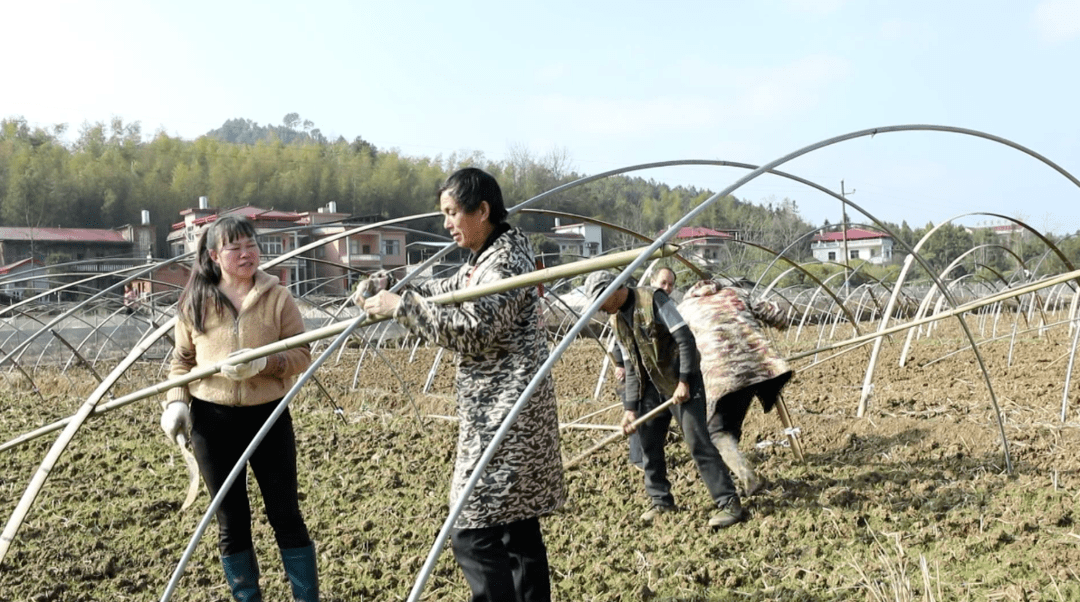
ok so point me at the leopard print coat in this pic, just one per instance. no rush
(735, 351)
(500, 346)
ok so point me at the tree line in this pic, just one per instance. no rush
(111, 172)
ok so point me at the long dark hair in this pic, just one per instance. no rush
(202, 285)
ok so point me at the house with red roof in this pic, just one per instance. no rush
(857, 243)
(329, 269)
(61, 245)
(84, 251)
(702, 245)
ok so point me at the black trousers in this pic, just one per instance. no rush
(219, 436)
(691, 417)
(730, 410)
(504, 563)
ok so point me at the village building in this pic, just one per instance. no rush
(328, 269)
(702, 245)
(866, 245)
(34, 259)
(579, 240)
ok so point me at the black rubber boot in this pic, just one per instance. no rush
(303, 573)
(242, 575)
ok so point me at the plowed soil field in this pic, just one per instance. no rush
(912, 501)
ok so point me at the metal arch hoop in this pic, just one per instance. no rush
(440, 541)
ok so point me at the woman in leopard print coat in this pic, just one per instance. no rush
(500, 346)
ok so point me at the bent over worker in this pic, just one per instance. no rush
(738, 363)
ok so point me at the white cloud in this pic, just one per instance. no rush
(1057, 20)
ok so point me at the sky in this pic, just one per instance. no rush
(609, 85)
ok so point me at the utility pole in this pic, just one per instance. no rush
(843, 226)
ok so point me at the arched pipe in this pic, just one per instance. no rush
(88, 407)
(925, 304)
(689, 264)
(561, 348)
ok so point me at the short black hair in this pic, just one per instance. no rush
(674, 276)
(470, 187)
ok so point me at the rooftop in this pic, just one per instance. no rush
(61, 234)
(850, 234)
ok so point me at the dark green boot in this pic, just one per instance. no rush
(242, 575)
(303, 573)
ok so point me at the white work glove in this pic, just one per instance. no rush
(175, 419)
(245, 370)
(379, 281)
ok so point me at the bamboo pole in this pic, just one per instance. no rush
(530, 279)
(789, 428)
(619, 435)
(459, 296)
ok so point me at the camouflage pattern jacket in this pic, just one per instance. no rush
(654, 353)
(735, 352)
(500, 346)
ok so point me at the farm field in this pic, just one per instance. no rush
(910, 502)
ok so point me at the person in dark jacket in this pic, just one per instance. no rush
(661, 361)
(663, 279)
(501, 345)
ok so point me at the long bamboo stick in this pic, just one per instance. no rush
(960, 309)
(619, 435)
(74, 422)
(531, 279)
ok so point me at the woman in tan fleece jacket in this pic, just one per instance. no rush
(229, 305)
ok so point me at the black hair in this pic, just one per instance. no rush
(202, 285)
(470, 187)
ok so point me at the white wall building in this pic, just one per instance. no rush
(866, 245)
(578, 239)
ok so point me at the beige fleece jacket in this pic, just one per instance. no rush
(267, 315)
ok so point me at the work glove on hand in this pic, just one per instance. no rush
(379, 281)
(175, 419)
(245, 370)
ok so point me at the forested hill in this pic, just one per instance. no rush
(293, 130)
(110, 172)
(246, 131)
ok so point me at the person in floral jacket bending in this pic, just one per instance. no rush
(737, 362)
